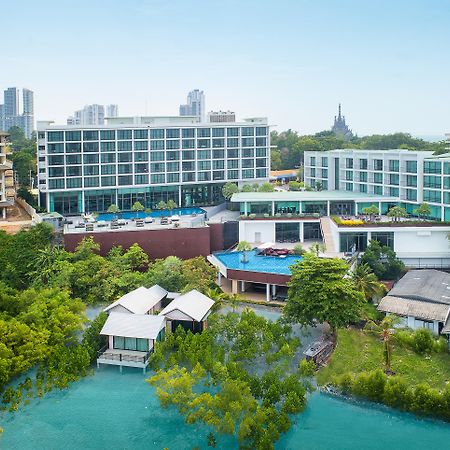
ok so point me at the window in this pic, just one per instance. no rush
(324, 161)
(90, 135)
(313, 171)
(107, 135)
(70, 159)
(411, 194)
(349, 174)
(262, 173)
(141, 168)
(125, 180)
(90, 159)
(108, 181)
(124, 146)
(363, 176)
(248, 173)
(261, 142)
(447, 168)
(56, 183)
(140, 157)
(108, 146)
(157, 179)
(246, 163)
(446, 182)
(56, 160)
(218, 132)
(218, 154)
(125, 168)
(363, 188)
(73, 135)
(349, 187)
(173, 156)
(108, 158)
(350, 242)
(247, 131)
(53, 136)
(411, 166)
(411, 180)
(156, 145)
(233, 164)
(90, 146)
(124, 134)
(204, 165)
(73, 171)
(173, 133)
(431, 196)
(204, 154)
(56, 172)
(172, 145)
(349, 163)
(394, 165)
(248, 142)
(157, 134)
(188, 165)
(363, 163)
(394, 179)
(220, 164)
(233, 153)
(188, 154)
(430, 181)
(140, 145)
(73, 147)
(188, 176)
(312, 160)
(377, 164)
(232, 142)
(188, 132)
(232, 131)
(141, 179)
(91, 182)
(108, 169)
(378, 190)
(219, 175)
(204, 176)
(378, 178)
(188, 143)
(287, 232)
(203, 143)
(384, 238)
(262, 162)
(157, 167)
(140, 134)
(432, 167)
(394, 192)
(173, 177)
(261, 131)
(233, 174)
(55, 148)
(90, 170)
(218, 143)
(73, 183)
(248, 153)
(125, 157)
(203, 132)
(261, 152)
(157, 156)
(173, 166)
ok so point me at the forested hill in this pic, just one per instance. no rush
(290, 145)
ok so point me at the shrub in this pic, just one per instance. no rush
(422, 341)
(440, 345)
(397, 393)
(298, 250)
(370, 385)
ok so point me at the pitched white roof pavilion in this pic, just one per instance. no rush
(190, 306)
(142, 326)
(139, 301)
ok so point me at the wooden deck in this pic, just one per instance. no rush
(128, 358)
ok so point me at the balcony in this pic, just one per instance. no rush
(119, 357)
(6, 165)
(281, 216)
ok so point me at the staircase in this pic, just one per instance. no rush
(325, 226)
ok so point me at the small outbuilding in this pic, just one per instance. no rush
(190, 310)
(140, 301)
(422, 300)
(131, 339)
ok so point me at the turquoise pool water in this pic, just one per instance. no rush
(267, 264)
(120, 411)
(157, 213)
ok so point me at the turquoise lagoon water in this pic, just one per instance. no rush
(120, 411)
(142, 215)
(267, 264)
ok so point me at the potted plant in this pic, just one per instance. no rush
(244, 247)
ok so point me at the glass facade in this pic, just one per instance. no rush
(287, 232)
(384, 238)
(351, 242)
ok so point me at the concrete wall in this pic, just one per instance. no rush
(248, 230)
(258, 277)
(422, 242)
(182, 242)
(216, 236)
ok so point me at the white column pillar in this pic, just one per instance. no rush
(242, 286)
(273, 208)
(268, 292)
(179, 195)
(379, 207)
(328, 207)
(245, 208)
(302, 232)
(219, 279)
(274, 290)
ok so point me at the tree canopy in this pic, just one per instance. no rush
(383, 261)
(319, 291)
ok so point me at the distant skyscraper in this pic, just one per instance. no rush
(9, 111)
(221, 116)
(340, 128)
(195, 105)
(93, 115)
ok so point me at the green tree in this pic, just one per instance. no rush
(171, 205)
(137, 207)
(396, 213)
(266, 187)
(161, 205)
(229, 189)
(383, 261)
(367, 282)
(247, 188)
(316, 248)
(371, 211)
(320, 291)
(114, 210)
(423, 210)
(244, 247)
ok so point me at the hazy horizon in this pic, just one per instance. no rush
(292, 61)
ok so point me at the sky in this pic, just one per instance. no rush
(386, 61)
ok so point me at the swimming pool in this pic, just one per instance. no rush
(267, 264)
(156, 213)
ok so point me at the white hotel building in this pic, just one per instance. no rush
(412, 177)
(147, 159)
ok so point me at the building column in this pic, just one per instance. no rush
(274, 290)
(219, 279)
(273, 208)
(245, 208)
(179, 195)
(379, 207)
(242, 286)
(369, 237)
(83, 210)
(328, 208)
(302, 232)
(268, 292)
(234, 286)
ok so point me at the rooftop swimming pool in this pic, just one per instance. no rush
(158, 213)
(256, 263)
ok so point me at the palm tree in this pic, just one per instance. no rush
(367, 282)
(244, 247)
(385, 330)
(317, 248)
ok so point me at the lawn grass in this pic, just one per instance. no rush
(358, 351)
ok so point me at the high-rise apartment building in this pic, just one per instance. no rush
(147, 159)
(195, 105)
(93, 115)
(10, 113)
(6, 177)
(412, 177)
